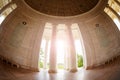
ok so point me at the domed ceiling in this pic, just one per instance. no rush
(62, 7)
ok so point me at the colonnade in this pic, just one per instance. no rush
(70, 58)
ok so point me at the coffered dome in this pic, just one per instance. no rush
(62, 7)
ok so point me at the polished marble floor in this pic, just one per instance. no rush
(108, 72)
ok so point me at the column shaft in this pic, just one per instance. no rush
(67, 59)
(46, 51)
(53, 60)
(72, 52)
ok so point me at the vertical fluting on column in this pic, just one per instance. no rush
(71, 50)
(46, 54)
(66, 53)
(113, 11)
(53, 60)
(66, 59)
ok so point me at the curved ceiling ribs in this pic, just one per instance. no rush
(62, 7)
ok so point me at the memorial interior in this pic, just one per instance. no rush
(59, 39)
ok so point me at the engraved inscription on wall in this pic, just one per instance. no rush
(18, 35)
(102, 36)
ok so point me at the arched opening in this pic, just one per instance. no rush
(63, 50)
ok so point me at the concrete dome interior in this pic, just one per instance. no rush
(62, 7)
(26, 25)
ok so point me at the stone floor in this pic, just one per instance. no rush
(107, 72)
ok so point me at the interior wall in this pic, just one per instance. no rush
(20, 39)
(22, 31)
(101, 39)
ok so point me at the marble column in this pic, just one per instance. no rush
(117, 2)
(46, 51)
(113, 11)
(53, 55)
(71, 50)
(67, 58)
